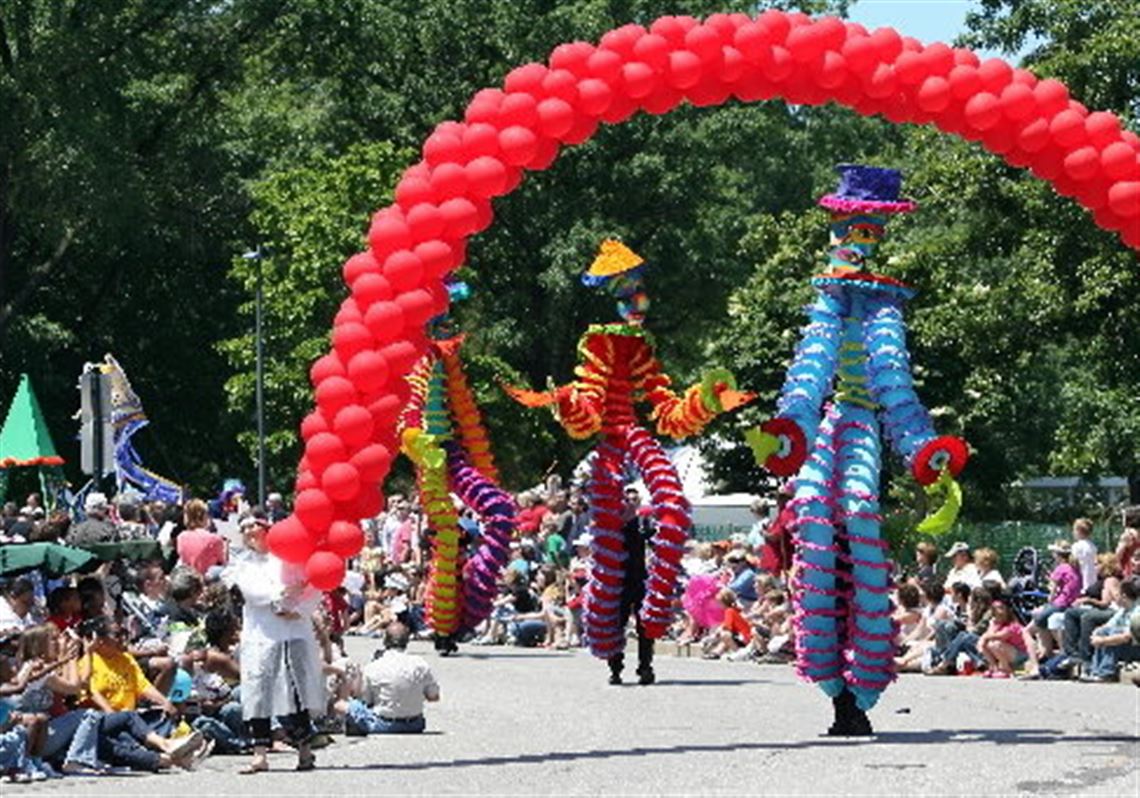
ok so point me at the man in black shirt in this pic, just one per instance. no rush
(636, 531)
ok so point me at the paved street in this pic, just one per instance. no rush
(524, 722)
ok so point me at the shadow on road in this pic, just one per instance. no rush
(1007, 737)
(710, 682)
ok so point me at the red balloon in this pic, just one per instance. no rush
(416, 305)
(1068, 128)
(479, 139)
(519, 145)
(314, 509)
(888, 43)
(385, 411)
(1034, 136)
(583, 129)
(412, 190)
(544, 156)
(911, 68)
(344, 538)
(1018, 101)
(350, 338)
(388, 234)
(882, 83)
(312, 424)
(964, 81)
(372, 461)
(832, 71)
(652, 50)
(555, 117)
(357, 266)
(341, 481)
(324, 367)
(425, 221)
(439, 257)
(400, 356)
(518, 109)
(526, 78)
(934, 94)
(1052, 96)
(305, 480)
(638, 79)
(1124, 199)
(368, 371)
(561, 83)
(403, 269)
(353, 424)
(705, 42)
(334, 393)
(995, 74)
(447, 180)
(1102, 128)
(1130, 234)
(662, 100)
(484, 106)
(778, 65)
(324, 570)
(1082, 164)
(348, 313)
(1117, 160)
(594, 96)
(442, 147)
(290, 541)
(385, 320)
(571, 57)
(487, 176)
(460, 215)
(983, 111)
(370, 289)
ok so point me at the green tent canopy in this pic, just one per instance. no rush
(24, 439)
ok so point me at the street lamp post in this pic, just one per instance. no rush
(257, 255)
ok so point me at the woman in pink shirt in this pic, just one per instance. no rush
(1004, 643)
(1066, 588)
(198, 547)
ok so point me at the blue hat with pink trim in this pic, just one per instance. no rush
(869, 189)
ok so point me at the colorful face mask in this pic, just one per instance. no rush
(854, 239)
(629, 290)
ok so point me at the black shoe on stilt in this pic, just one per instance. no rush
(616, 663)
(860, 724)
(843, 704)
(646, 676)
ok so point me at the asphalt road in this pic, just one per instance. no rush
(527, 722)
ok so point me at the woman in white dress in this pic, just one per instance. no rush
(280, 660)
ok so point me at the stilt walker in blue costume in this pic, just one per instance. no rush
(849, 386)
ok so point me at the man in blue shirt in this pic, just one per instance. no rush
(743, 577)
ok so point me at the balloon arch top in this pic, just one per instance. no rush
(398, 284)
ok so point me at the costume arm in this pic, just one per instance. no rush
(684, 415)
(578, 406)
(780, 445)
(907, 422)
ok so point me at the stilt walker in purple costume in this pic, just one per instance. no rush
(851, 373)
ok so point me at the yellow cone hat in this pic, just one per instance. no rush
(613, 258)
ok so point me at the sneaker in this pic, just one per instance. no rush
(743, 655)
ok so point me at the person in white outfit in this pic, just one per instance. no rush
(280, 660)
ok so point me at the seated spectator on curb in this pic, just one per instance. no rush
(1094, 607)
(920, 641)
(986, 561)
(734, 631)
(947, 659)
(117, 682)
(63, 608)
(1110, 641)
(908, 612)
(1126, 548)
(926, 560)
(742, 577)
(962, 568)
(395, 686)
(1049, 620)
(1005, 644)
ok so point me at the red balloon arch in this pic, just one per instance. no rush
(397, 285)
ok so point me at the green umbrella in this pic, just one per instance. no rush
(125, 550)
(51, 558)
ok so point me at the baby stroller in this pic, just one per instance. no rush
(1028, 587)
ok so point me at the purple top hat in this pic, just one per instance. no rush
(867, 188)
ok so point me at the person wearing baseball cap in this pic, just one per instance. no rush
(962, 567)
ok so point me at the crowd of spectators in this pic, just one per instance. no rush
(137, 664)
